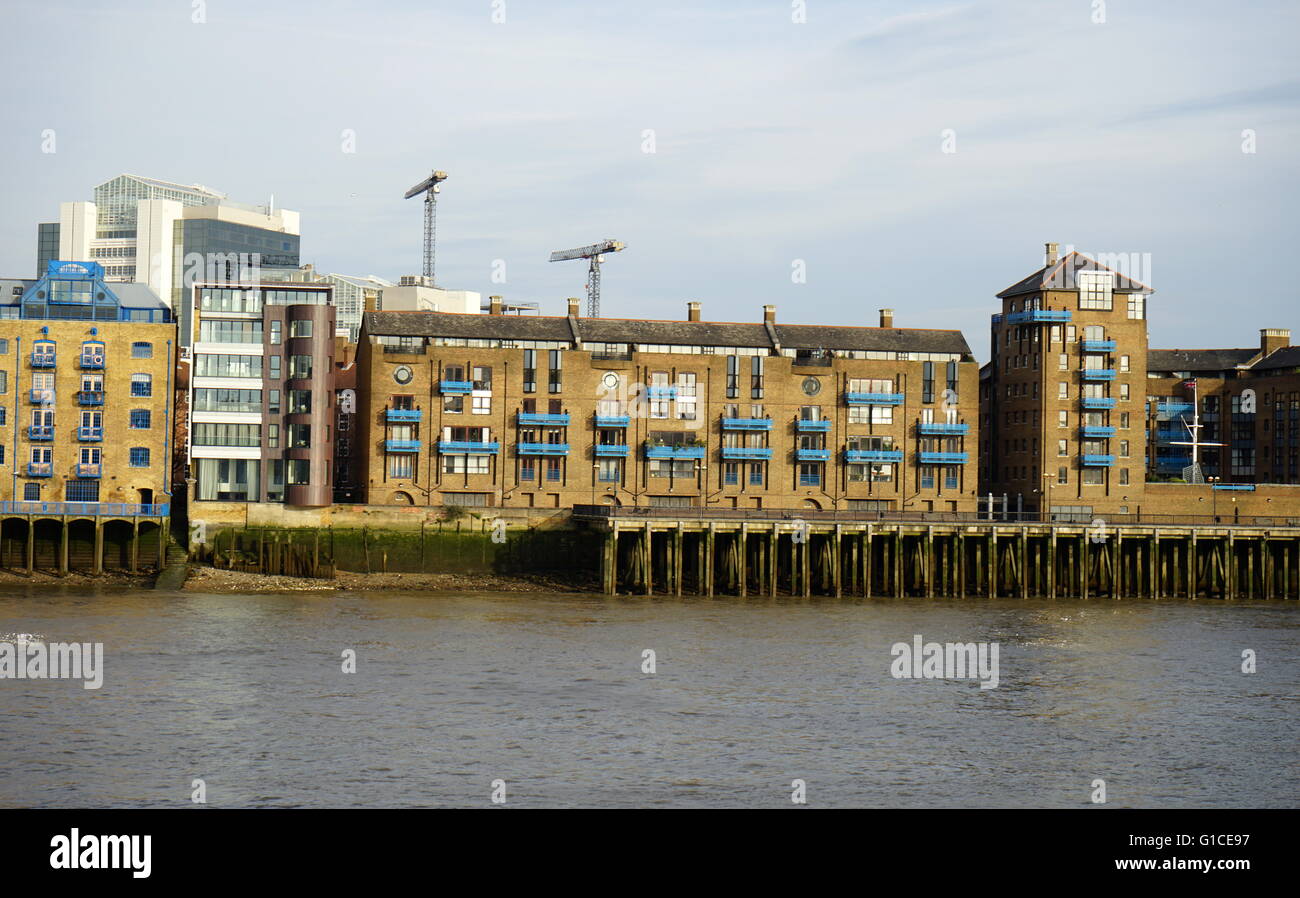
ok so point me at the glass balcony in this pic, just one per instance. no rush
(40, 469)
(674, 452)
(746, 423)
(90, 470)
(859, 456)
(403, 415)
(1096, 403)
(43, 359)
(941, 458)
(464, 447)
(1096, 374)
(456, 387)
(1099, 345)
(613, 420)
(821, 425)
(90, 434)
(90, 397)
(1098, 461)
(745, 453)
(401, 445)
(936, 429)
(40, 433)
(1039, 316)
(812, 454)
(611, 450)
(543, 449)
(538, 418)
(873, 398)
(1096, 433)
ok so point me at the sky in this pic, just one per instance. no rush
(831, 158)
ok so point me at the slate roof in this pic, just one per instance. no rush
(682, 333)
(1198, 359)
(1061, 276)
(1286, 357)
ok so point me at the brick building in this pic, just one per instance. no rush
(535, 411)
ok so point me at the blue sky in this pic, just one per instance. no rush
(774, 141)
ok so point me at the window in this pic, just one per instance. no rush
(482, 405)
(530, 370)
(276, 333)
(453, 405)
(1062, 419)
(300, 402)
(1137, 306)
(555, 374)
(1062, 391)
(1123, 392)
(140, 419)
(4, 415)
(4, 347)
(756, 377)
(273, 436)
(32, 492)
(272, 402)
(142, 384)
(528, 468)
(1123, 448)
(139, 457)
(927, 381)
(401, 466)
(1093, 476)
(733, 377)
(1123, 420)
(299, 367)
(730, 473)
(609, 470)
(4, 381)
(228, 479)
(1062, 447)
(686, 395)
(227, 435)
(1062, 475)
(1063, 362)
(1123, 476)
(300, 328)
(1124, 363)
(482, 378)
(1095, 289)
(273, 367)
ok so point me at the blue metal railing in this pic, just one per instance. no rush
(124, 509)
(812, 454)
(456, 386)
(538, 418)
(611, 450)
(543, 449)
(463, 447)
(873, 398)
(746, 423)
(942, 458)
(404, 415)
(90, 434)
(746, 453)
(1097, 403)
(934, 428)
(873, 455)
(678, 452)
(821, 425)
(1098, 461)
(401, 445)
(40, 433)
(613, 420)
(1038, 316)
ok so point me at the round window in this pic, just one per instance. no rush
(403, 374)
(811, 386)
(610, 380)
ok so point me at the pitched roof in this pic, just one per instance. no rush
(1198, 359)
(1061, 276)
(682, 333)
(1286, 357)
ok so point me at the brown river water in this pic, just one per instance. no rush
(547, 693)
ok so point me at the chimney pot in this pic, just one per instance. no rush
(1053, 252)
(574, 305)
(692, 311)
(886, 317)
(769, 314)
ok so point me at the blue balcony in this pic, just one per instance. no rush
(1099, 345)
(543, 449)
(674, 452)
(40, 433)
(90, 397)
(1239, 487)
(613, 420)
(746, 423)
(92, 361)
(40, 469)
(812, 454)
(1039, 316)
(873, 398)
(456, 387)
(821, 425)
(810, 479)
(118, 509)
(611, 450)
(880, 456)
(1096, 433)
(745, 453)
(1098, 461)
(43, 359)
(463, 447)
(1096, 374)
(935, 429)
(90, 434)
(941, 458)
(41, 397)
(1168, 410)
(403, 415)
(653, 392)
(1097, 403)
(537, 418)
(89, 470)
(401, 445)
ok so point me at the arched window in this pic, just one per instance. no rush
(141, 350)
(141, 384)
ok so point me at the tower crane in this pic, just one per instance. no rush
(429, 187)
(596, 253)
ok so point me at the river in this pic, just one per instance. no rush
(547, 693)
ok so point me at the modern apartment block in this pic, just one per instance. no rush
(1062, 399)
(1246, 401)
(539, 411)
(168, 236)
(256, 402)
(85, 387)
(353, 295)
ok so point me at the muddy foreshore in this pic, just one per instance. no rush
(215, 580)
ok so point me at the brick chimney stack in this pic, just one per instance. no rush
(886, 317)
(1271, 339)
(769, 314)
(494, 305)
(574, 305)
(1053, 252)
(692, 311)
